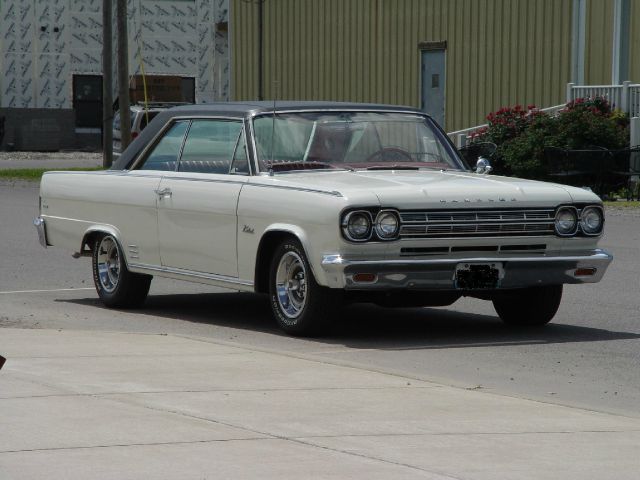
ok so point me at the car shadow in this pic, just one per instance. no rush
(364, 326)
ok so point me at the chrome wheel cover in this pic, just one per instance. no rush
(291, 285)
(108, 264)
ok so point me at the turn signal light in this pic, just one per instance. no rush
(585, 272)
(365, 277)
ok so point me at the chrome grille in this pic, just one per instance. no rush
(477, 223)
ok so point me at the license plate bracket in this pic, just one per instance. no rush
(478, 276)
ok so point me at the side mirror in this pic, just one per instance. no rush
(483, 166)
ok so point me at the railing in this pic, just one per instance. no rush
(460, 137)
(626, 97)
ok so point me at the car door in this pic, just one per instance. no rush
(133, 197)
(197, 221)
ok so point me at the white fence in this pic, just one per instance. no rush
(626, 97)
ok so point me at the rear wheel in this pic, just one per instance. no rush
(300, 305)
(529, 306)
(116, 286)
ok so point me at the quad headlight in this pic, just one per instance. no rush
(387, 225)
(572, 220)
(357, 226)
(566, 221)
(370, 224)
(591, 220)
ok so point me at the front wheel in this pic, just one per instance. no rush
(529, 306)
(117, 287)
(300, 305)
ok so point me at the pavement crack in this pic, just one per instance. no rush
(444, 475)
(139, 444)
(212, 390)
(272, 436)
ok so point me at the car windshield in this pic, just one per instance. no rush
(351, 140)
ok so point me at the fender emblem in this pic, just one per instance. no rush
(247, 229)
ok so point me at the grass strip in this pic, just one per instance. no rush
(623, 204)
(36, 173)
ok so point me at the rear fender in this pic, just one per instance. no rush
(86, 246)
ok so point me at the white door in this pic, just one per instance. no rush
(433, 84)
(197, 220)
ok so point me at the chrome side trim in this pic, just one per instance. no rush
(208, 180)
(42, 232)
(333, 193)
(191, 274)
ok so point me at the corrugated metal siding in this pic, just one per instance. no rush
(634, 66)
(598, 42)
(499, 52)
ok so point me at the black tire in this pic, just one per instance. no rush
(529, 306)
(117, 287)
(301, 306)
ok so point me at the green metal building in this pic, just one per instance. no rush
(456, 59)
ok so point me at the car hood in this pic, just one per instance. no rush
(444, 189)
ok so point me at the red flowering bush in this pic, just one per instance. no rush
(522, 133)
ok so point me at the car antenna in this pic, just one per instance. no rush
(273, 125)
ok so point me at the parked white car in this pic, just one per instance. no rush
(316, 204)
(141, 116)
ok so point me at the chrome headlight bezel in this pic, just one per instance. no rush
(573, 212)
(348, 221)
(599, 211)
(380, 226)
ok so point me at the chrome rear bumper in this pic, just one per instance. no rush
(42, 231)
(440, 273)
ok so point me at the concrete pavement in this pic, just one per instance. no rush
(94, 405)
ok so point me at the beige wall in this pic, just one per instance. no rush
(599, 42)
(634, 64)
(499, 52)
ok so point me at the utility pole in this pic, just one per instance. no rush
(107, 85)
(123, 75)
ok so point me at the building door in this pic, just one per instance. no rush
(433, 83)
(87, 101)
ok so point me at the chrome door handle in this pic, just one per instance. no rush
(165, 192)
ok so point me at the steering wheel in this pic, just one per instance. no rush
(393, 151)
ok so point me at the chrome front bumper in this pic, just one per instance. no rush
(42, 231)
(439, 274)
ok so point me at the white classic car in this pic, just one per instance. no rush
(315, 204)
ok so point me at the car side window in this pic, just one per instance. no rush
(209, 146)
(164, 155)
(240, 164)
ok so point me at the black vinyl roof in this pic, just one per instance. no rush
(239, 110)
(243, 109)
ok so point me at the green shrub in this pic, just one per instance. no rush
(521, 134)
